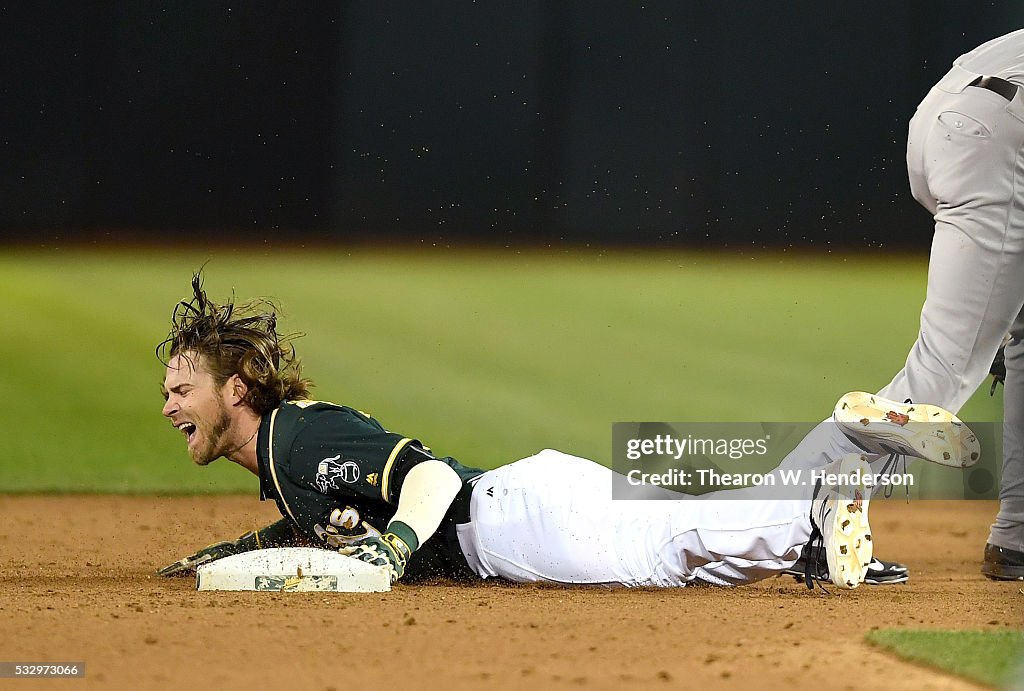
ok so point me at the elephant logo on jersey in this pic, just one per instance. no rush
(333, 470)
(343, 528)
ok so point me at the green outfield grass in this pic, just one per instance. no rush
(484, 355)
(994, 658)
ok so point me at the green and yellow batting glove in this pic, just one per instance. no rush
(390, 551)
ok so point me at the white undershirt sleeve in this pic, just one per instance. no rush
(427, 493)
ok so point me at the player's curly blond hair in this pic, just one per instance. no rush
(237, 339)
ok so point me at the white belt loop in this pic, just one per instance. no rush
(956, 80)
(1016, 105)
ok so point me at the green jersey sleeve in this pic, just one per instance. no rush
(339, 451)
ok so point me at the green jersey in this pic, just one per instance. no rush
(337, 474)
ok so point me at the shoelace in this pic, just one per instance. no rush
(889, 466)
(815, 543)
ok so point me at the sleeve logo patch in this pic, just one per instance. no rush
(333, 471)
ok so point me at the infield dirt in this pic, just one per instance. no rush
(78, 585)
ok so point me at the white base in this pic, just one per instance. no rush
(293, 569)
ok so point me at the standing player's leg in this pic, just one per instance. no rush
(1004, 551)
(965, 167)
(965, 163)
(963, 157)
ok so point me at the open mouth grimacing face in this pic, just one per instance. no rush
(189, 430)
(196, 408)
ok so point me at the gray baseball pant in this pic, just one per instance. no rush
(964, 157)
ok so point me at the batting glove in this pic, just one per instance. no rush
(276, 534)
(186, 565)
(390, 551)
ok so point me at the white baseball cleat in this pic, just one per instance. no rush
(880, 426)
(839, 521)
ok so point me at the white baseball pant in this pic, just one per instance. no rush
(551, 518)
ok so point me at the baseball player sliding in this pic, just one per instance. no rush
(342, 481)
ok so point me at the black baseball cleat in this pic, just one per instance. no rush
(880, 572)
(1002, 564)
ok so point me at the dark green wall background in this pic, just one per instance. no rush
(742, 124)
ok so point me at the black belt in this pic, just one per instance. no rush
(459, 510)
(1000, 86)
